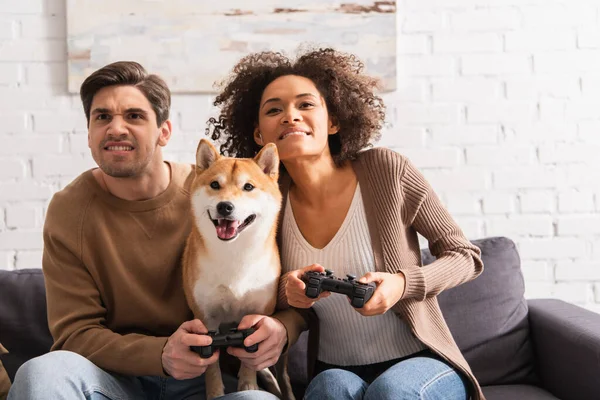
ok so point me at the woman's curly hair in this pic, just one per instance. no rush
(349, 96)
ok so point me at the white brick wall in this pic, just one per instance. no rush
(526, 75)
(498, 103)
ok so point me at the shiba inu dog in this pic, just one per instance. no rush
(231, 263)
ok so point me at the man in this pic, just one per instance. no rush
(113, 240)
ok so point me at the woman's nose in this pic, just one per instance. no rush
(292, 115)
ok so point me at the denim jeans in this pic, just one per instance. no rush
(62, 375)
(418, 378)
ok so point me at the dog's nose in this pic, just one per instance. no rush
(225, 208)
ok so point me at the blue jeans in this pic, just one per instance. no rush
(65, 375)
(419, 378)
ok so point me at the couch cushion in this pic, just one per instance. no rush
(504, 392)
(23, 317)
(488, 316)
(297, 360)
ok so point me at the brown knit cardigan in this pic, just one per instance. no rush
(399, 203)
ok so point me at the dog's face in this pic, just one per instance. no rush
(232, 196)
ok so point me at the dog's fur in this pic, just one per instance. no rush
(226, 278)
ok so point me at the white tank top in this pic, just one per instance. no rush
(345, 336)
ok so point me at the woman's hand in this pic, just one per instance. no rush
(295, 287)
(390, 288)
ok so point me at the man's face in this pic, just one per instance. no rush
(123, 134)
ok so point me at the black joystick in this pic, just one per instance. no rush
(233, 338)
(318, 282)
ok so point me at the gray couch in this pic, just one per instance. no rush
(517, 349)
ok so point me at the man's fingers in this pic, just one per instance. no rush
(268, 361)
(257, 337)
(268, 337)
(242, 354)
(194, 339)
(190, 362)
(263, 361)
(265, 345)
(248, 321)
(194, 326)
(252, 358)
(204, 362)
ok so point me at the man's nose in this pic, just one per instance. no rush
(117, 126)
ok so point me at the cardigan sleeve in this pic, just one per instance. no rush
(457, 259)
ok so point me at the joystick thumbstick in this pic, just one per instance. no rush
(328, 272)
(351, 277)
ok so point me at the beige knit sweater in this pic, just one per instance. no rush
(399, 203)
(112, 272)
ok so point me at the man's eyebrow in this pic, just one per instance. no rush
(100, 111)
(136, 110)
(275, 99)
(129, 110)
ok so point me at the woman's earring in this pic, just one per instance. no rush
(260, 137)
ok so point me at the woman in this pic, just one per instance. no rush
(355, 212)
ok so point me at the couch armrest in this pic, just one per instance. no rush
(566, 340)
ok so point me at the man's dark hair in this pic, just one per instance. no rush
(128, 73)
(349, 96)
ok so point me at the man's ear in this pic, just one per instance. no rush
(258, 137)
(165, 133)
(268, 160)
(206, 154)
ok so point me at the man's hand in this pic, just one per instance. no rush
(178, 360)
(390, 288)
(271, 337)
(295, 289)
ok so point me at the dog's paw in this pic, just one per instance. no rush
(247, 385)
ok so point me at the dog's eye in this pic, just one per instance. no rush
(215, 185)
(248, 187)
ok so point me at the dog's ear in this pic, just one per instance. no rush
(268, 160)
(206, 154)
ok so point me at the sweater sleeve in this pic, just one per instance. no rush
(457, 259)
(76, 314)
(282, 301)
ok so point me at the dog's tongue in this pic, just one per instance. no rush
(227, 228)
